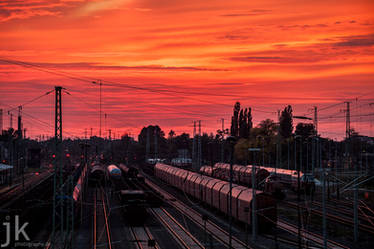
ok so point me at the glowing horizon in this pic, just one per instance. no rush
(172, 62)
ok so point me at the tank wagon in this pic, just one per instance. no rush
(98, 175)
(114, 171)
(215, 193)
(129, 172)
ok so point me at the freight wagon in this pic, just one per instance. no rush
(215, 193)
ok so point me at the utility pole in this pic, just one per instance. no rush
(278, 142)
(348, 121)
(110, 134)
(148, 145)
(313, 154)
(156, 145)
(100, 107)
(200, 155)
(19, 149)
(57, 178)
(105, 116)
(315, 120)
(254, 204)
(231, 140)
(194, 146)
(336, 170)
(355, 191)
(99, 82)
(323, 197)
(222, 142)
(85, 133)
(91, 132)
(1, 120)
(298, 194)
(19, 129)
(10, 120)
(297, 167)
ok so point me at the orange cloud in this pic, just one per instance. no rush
(170, 62)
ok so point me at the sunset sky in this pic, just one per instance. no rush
(171, 62)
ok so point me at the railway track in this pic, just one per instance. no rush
(222, 235)
(310, 236)
(101, 228)
(334, 217)
(184, 238)
(143, 237)
(15, 192)
(364, 209)
(217, 232)
(365, 213)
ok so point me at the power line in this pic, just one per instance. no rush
(259, 110)
(329, 106)
(129, 86)
(41, 122)
(31, 101)
(358, 115)
(109, 83)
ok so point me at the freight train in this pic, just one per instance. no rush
(129, 172)
(215, 193)
(274, 181)
(124, 183)
(114, 171)
(280, 179)
(241, 174)
(98, 175)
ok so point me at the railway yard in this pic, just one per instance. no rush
(163, 206)
(138, 124)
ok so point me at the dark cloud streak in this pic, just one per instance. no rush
(356, 41)
(96, 66)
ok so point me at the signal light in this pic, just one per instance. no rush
(67, 155)
(54, 156)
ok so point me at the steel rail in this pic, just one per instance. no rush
(181, 241)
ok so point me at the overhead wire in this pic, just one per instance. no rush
(329, 106)
(116, 84)
(168, 92)
(109, 83)
(41, 122)
(32, 100)
(127, 85)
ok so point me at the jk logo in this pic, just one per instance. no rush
(17, 231)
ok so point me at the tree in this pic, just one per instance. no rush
(249, 121)
(241, 150)
(267, 128)
(234, 120)
(241, 122)
(171, 134)
(305, 130)
(286, 123)
(155, 135)
(243, 131)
